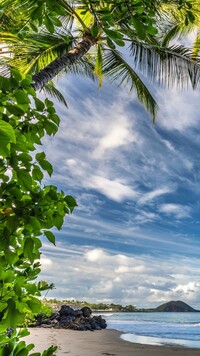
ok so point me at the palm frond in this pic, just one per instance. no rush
(83, 67)
(51, 90)
(196, 47)
(177, 31)
(36, 51)
(99, 64)
(117, 69)
(170, 66)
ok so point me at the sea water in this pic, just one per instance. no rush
(169, 329)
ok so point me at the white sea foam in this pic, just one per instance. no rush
(181, 329)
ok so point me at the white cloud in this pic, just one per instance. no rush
(144, 216)
(95, 274)
(95, 255)
(179, 110)
(46, 263)
(154, 194)
(189, 288)
(178, 210)
(118, 133)
(122, 269)
(113, 189)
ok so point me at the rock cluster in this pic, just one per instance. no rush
(68, 318)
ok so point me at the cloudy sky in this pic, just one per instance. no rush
(134, 237)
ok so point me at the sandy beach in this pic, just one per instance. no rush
(104, 342)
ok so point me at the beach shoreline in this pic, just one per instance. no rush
(96, 343)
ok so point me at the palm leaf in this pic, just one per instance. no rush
(177, 31)
(171, 66)
(196, 47)
(117, 69)
(51, 90)
(83, 67)
(36, 51)
(99, 64)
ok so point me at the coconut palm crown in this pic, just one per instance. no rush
(85, 37)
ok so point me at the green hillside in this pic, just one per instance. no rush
(175, 306)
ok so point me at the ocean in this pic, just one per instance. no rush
(169, 329)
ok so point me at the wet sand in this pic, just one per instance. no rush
(97, 343)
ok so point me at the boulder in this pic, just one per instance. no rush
(68, 318)
(66, 310)
(86, 311)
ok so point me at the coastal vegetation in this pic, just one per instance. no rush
(38, 40)
(172, 306)
(55, 304)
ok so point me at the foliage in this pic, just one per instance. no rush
(33, 34)
(48, 34)
(27, 210)
(94, 306)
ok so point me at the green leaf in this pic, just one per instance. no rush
(58, 220)
(33, 27)
(140, 28)
(14, 109)
(26, 81)
(43, 285)
(55, 118)
(24, 157)
(107, 17)
(50, 351)
(7, 130)
(16, 74)
(39, 104)
(49, 24)
(50, 236)
(152, 30)
(37, 173)
(46, 166)
(7, 136)
(48, 102)
(35, 223)
(40, 156)
(114, 34)
(12, 317)
(24, 179)
(23, 332)
(56, 21)
(21, 97)
(34, 304)
(191, 16)
(94, 30)
(37, 13)
(22, 349)
(28, 249)
(71, 202)
(51, 128)
(110, 43)
(119, 42)
(98, 65)
(5, 84)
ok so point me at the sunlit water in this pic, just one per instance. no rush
(172, 329)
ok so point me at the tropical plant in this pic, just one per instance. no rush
(89, 33)
(28, 209)
(180, 24)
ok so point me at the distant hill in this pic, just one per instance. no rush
(175, 306)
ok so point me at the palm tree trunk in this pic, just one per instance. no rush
(50, 71)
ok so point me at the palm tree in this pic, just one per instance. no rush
(90, 34)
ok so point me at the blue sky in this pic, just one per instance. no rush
(134, 237)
